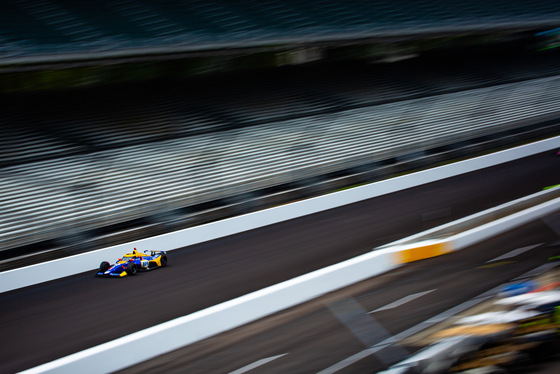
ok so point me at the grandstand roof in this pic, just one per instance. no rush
(50, 30)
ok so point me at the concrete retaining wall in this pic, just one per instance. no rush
(171, 335)
(43, 272)
(143, 345)
(177, 333)
(475, 228)
(488, 230)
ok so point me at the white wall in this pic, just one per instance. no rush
(43, 272)
(171, 335)
(131, 349)
(154, 341)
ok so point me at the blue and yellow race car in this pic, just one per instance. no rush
(133, 262)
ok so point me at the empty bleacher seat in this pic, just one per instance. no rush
(133, 170)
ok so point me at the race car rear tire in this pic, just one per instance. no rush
(104, 266)
(131, 268)
(163, 261)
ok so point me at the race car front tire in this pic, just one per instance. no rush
(131, 268)
(104, 267)
(163, 261)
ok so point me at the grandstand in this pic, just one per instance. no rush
(50, 30)
(81, 168)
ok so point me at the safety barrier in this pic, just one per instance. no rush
(157, 340)
(473, 229)
(177, 333)
(43, 272)
(423, 250)
(180, 332)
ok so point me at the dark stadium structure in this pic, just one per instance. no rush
(33, 31)
(126, 119)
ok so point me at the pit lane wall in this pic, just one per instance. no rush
(478, 227)
(51, 270)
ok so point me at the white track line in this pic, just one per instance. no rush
(366, 328)
(350, 360)
(256, 364)
(402, 301)
(515, 252)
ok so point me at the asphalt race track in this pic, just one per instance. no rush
(48, 321)
(332, 333)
